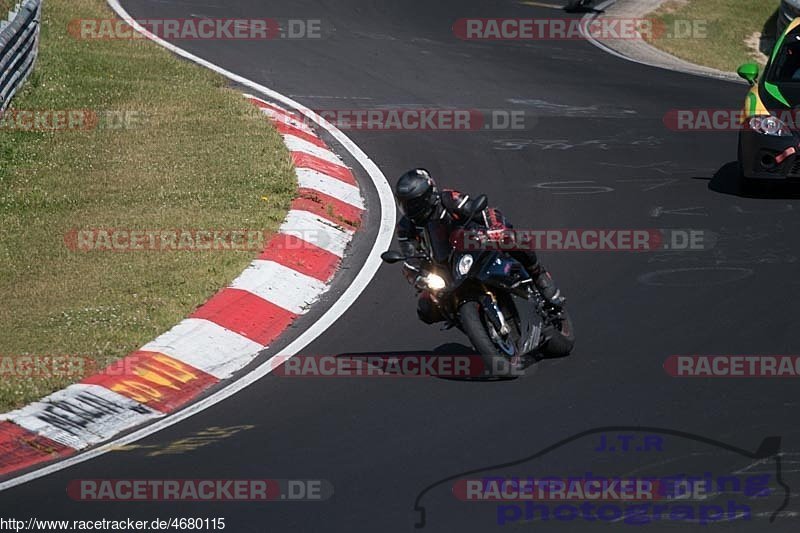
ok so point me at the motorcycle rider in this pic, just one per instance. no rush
(421, 201)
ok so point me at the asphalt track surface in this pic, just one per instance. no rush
(593, 124)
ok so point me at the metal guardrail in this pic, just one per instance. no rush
(19, 46)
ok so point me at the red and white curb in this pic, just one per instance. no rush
(223, 335)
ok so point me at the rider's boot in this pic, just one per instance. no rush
(544, 282)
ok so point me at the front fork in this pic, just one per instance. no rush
(494, 314)
(491, 309)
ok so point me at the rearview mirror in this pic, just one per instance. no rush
(392, 256)
(479, 204)
(749, 71)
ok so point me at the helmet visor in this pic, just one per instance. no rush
(419, 209)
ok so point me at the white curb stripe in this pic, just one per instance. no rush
(272, 105)
(283, 115)
(205, 345)
(317, 230)
(311, 179)
(280, 285)
(286, 119)
(296, 144)
(81, 415)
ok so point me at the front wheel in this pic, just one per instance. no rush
(499, 354)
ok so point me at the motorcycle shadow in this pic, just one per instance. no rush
(451, 362)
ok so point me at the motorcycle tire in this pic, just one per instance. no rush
(496, 363)
(563, 340)
(573, 5)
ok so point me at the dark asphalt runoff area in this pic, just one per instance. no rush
(594, 152)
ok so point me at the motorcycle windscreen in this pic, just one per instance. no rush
(439, 240)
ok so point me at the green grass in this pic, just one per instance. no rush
(202, 157)
(5, 5)
(728, 25)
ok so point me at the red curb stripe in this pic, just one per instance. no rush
(276, 109)
(20, 448)
(304, 160)
(288, 129)
(302, 256)
(246, 314)
(328, 207)
(154, 379)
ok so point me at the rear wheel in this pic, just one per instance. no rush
(498, 352)
(575, 5)
(562, 338)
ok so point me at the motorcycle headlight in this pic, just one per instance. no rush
(464, 264)
(769, 125)
(434, 282)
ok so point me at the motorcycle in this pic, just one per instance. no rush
(578, 5)
(490, 297)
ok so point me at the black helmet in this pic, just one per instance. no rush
(417, 195)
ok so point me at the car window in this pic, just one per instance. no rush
(787, 64)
